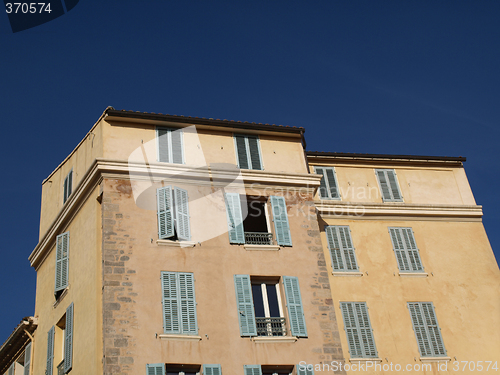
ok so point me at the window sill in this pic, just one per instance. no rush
(365, 360)
(435, 359)
(165, 336)
(261, 247)
(61, 297)
(413, 274)
(273, 339)
(347, 273)
(176, 243)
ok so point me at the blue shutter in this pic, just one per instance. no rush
(280, 218)
(50, 351)
(427, 331)
(170, 302)
(155, 369)
(212, 370)
(165, 212)
(405, 249)
(68, 339)
(182, 214)
(164, 148)
(389, 185)
(384, 185)
(393, 184)
(62, 260)
(187, 303)
(177, 153)
(323, 189)
(341, 248)
(328, 184)
(252, 370)
(234, 218)
(254, 151)
(27, 359)
(358, 330)
(241, 151)
(244, 304)
(294, 306)
(304, 370)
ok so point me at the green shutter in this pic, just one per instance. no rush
(187, 303)
(170, 302)
(164, 141)
(294, 306)
(328, 184)
(50, 351)
(341, 248)
(384, 186)
(27, 359)
(323, 189)
(426, 328)
(182, 214)
(155, 369)
(62, 260)
(304, 370)
(212, 370)
(358, 330)
(234, 218)
(389, 185)
(164, 202)
(393, 184)
(248, 151)
(254, 151)
(244, 304)
(405, 249)
(68, 339)
(176, 138)
(280, 218)
(179, 303)
(241, 151)
(252, 369)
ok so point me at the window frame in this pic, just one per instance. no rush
(247, 151)
(174, 192)
(327, 183)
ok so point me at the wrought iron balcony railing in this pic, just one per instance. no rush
(60, 368)
(258, 238)
(271, 326)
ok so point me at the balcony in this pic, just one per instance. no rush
(258, 238)
(271, 326)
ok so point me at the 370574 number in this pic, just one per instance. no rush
(27, 7)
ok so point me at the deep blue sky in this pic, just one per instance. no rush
(361, 76)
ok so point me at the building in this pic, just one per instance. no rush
(179, 245)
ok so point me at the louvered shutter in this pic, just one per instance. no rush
(252, 369)
(253, 150)
(328, 184)
(323, 189)
(164, 145)
(294, 306)
(50, 351)
(405, 249)
(280, 218)
(234, 218)
(187, 303)
(176, 138)
(68, 339)
(182, 214)
(393, 184)
(164, 203)
(27, 359)
(358, 330)
(304, 370)
(389, 185)
(170, 303)
(155, 369)
(384, 186)
(341, 248)
(212, 370)
(241, 151)
(62, 260)
(244, 304)
(427, 331)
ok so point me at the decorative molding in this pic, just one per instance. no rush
(175, 243)
(165, 336)
(413, 274)
(347, 273)
(435, 359)
(273, 339)
(261, 247)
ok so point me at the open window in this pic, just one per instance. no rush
(269, 316)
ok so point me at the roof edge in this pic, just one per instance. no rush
(353, 155)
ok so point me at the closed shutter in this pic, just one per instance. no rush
(389, 185)
(182, 214)
(68, 339)
(253, 149)
(384, 186)
(212, 370)
(304, 370)
(241, 152)
(341, 248)
(164, 145)
(280, 218)
(234, 218)
(27, 359)
(328, 184)
(294, 306)
(50, 351)
(155, 369)
(62, 259)
(405, 249)
(164, 200)
(427, 331)
(177, 154)
(252, 370)
(323, 188)
(358, 330)
(170, 303)
(187, 303)
(248, 152)
(244, 304)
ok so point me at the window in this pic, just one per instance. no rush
(173, 213)
(62, 265)
(68, 186)
(341, 248)
(170, 145)
(177, 369)
(305, 370)
(405, 248)
(248, 151)
(270, 370)
(427, 331)
(260, 309)
(358, 330)
(60, 344)
(179, 303)
(389, 186)
(255, 229)
(21, 365)
(328, 188)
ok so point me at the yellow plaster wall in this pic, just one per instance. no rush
(85, 274)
